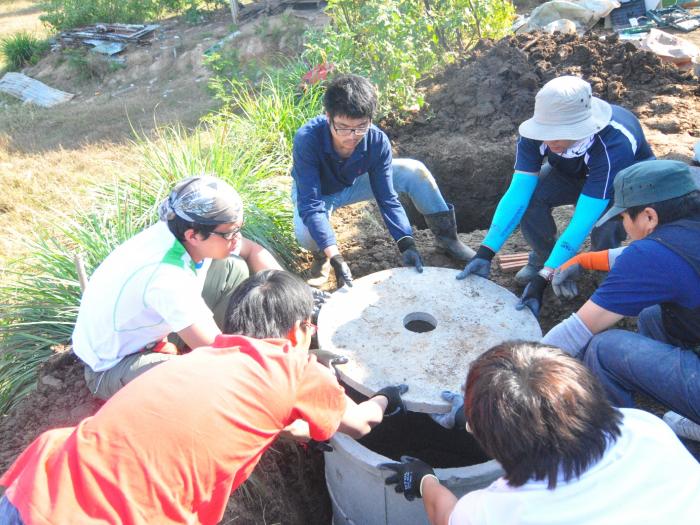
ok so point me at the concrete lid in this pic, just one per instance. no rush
(366, 324)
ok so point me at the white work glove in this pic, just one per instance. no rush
(447, 420)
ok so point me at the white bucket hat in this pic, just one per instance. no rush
(565, 109)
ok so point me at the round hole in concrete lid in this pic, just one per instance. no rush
(420, 322)
(365, 323)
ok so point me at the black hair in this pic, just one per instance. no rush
(178, 226)
(538, 411)
(671, 210)
(268, 304)
(352, 96)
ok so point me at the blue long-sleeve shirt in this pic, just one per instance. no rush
(319, 171)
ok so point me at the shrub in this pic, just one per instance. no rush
(396, 42)
(66, 14)
(22, 49)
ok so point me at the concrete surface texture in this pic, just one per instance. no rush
(367, 323)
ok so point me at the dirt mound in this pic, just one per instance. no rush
(467, 130)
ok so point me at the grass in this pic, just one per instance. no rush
(20, 16)
(22, 49)
(249, 145)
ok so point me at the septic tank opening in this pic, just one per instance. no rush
(419, 322)
(415, 434)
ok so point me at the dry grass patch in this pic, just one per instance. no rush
(35, 185)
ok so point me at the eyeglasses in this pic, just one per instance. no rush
(229, 234)
(346, 132)
(310, 327)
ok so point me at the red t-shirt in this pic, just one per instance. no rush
(172, 445)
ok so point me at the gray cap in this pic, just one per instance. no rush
(648, 182)
(202, 200)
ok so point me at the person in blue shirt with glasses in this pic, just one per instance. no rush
(569, 152)
(341, 158)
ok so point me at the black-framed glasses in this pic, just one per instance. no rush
(346, 132)
(229, 234)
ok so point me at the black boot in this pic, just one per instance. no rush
(444, 226)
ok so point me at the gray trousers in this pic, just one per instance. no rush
(222, 279)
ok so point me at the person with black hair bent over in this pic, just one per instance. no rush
(341, 158)
(173, 444)
(569, 457)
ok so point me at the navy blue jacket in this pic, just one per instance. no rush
(319, 171)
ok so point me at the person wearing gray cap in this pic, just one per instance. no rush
(585, 142)
(656, 279)
(174, 277)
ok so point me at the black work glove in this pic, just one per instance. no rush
(393, 394)
(480, 264)
(342, 271)
(320, 297)
(532, 296)
(409, 253)
(409, 476)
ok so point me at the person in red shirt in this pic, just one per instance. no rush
(173, 444)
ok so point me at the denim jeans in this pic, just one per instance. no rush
(538, 226)
(410, 177)
(647, 362)
(8, 513)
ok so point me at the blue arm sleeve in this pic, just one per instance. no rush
(588, 211)
(510, 209)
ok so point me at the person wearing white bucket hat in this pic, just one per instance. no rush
(584, 142)
(174, 277)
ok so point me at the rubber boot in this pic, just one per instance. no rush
(526, 273)
(319, 271)
(444, 226)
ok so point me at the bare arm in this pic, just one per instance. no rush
(597, 318)
(358, 420)
(439, 502)
(256, 257)
(200, 334)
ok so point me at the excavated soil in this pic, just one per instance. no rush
(467, 130)
(465, 135)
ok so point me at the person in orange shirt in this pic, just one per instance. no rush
(173, 444)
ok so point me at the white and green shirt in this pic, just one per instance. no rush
(145, 289)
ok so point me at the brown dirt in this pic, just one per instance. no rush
(466, 132)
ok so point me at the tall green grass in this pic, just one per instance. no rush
(22, 49)
(248, 144)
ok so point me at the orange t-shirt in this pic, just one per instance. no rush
(172, 445)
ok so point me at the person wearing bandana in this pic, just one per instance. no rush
(174, 277)
(569, 152)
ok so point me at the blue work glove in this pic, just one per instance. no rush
(447, 420)
(564, 281)
(532, 296)
(342, 271)
(480, 264)
(393, 395)
(408, 477)
(409, 253)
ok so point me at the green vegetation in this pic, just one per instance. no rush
(22, 49)
(66, 14)
(396, 42)
(248, 143)
(88, 65)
